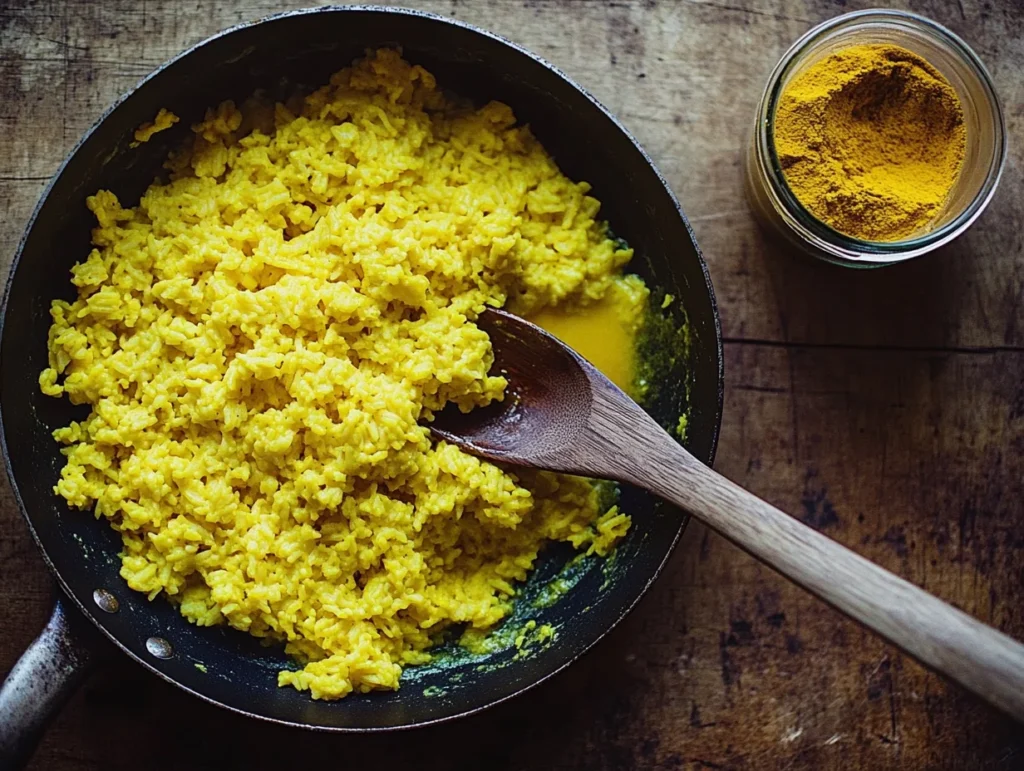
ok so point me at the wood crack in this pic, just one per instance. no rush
(976, 350)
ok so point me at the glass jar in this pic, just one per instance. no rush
(985, 154)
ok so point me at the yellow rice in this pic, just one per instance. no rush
(164, 120)
(260, 338)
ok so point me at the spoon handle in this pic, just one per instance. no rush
(980, 658)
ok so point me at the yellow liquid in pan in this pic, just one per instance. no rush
(604, 332)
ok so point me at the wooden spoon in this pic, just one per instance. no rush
(564, 415)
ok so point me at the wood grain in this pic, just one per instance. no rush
(886, 408)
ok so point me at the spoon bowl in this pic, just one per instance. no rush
(547, 405)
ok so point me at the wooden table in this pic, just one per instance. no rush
(885, 408)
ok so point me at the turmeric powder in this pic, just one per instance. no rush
(871, 139)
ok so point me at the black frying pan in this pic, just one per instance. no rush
(276, 54)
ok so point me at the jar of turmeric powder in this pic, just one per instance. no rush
(878, 139)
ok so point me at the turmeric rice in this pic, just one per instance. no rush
(263, 336)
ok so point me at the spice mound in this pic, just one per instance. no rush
(871, 140)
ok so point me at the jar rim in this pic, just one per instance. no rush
(835, 243)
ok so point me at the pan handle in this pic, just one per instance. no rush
(41, 681)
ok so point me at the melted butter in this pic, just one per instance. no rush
(603, 332)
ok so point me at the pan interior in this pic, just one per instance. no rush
(304, 48)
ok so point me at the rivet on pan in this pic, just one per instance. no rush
(105, 600)
(159, 647)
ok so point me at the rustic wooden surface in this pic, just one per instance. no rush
(885, 408)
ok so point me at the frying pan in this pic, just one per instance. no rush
(279, 54)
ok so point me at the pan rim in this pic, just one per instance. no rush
(375, 9)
